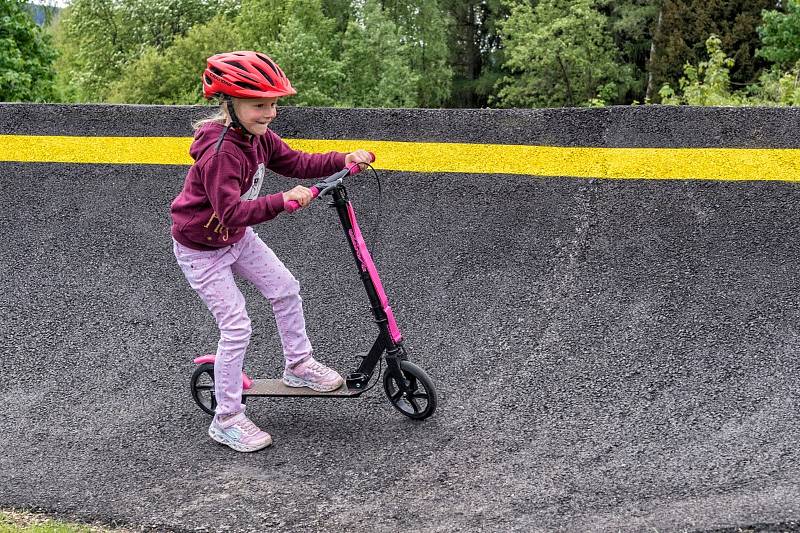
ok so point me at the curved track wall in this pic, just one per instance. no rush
(611, 354)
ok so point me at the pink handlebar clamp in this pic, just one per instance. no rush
(293, 205)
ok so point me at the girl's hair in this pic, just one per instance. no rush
(220, 117)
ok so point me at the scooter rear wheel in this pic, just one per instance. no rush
(203, 388)
(417, 401)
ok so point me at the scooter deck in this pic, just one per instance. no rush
(275, 387)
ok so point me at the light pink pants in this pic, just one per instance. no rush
(211, 274)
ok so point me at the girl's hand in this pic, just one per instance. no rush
(300, 194)
(359, 156)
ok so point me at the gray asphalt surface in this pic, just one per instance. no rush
(616, 126)
(610, 355)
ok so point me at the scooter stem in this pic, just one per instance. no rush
(353, 168)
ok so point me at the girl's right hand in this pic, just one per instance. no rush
(301, 195)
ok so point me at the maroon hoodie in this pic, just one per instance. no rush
(220, 195)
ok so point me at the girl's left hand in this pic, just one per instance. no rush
(359, 156)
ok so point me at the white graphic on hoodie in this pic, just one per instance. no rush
(255, 188)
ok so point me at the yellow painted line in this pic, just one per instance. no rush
(612, 163)
(124, 150)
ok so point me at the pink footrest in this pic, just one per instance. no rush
(210, 358)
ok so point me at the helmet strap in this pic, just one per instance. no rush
(221, 137)
(232, 113)
(234, 122)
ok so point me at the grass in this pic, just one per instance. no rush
(26, 522)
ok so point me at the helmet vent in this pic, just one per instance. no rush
(264, 73)
(245, 85)
(237, 65)
(266, 60)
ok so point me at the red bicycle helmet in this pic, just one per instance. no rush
(245, 75)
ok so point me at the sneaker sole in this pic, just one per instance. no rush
(293, 381)
(221, 438)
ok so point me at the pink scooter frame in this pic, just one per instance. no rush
(408, 387)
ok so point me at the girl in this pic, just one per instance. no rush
(213, 240)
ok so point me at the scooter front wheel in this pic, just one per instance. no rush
(203, 388)
(414, 394)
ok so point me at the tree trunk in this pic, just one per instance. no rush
(474, 51)
(648, 96)
(566, 80)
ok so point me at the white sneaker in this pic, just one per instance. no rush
(314, 375)
(240, 433)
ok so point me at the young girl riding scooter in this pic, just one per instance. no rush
(213, 240)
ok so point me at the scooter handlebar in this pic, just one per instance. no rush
(355, 169)
(352, 169)
(293, 205)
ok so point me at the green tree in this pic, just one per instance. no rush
(374, 60)
(299, 36)
(686, 25)
(93, 47)
(430, 55)
(26, 56)
(156, 23)
(424, 28)
(173, 76)
(476, 54)
(780, 35)
(632, 23)
(292, 36)
(341, 12)
(709, 84)
(260, 22)
(559, 53)
(100, 38)
(64, 92)
(778, 87)
(304, 52)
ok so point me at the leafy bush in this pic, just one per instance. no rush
(708, 84)
(26, 56)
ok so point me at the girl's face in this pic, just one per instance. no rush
(255, 114)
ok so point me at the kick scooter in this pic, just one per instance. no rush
(407, 386)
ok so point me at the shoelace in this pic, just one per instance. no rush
(248, 427)
(318, 368)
